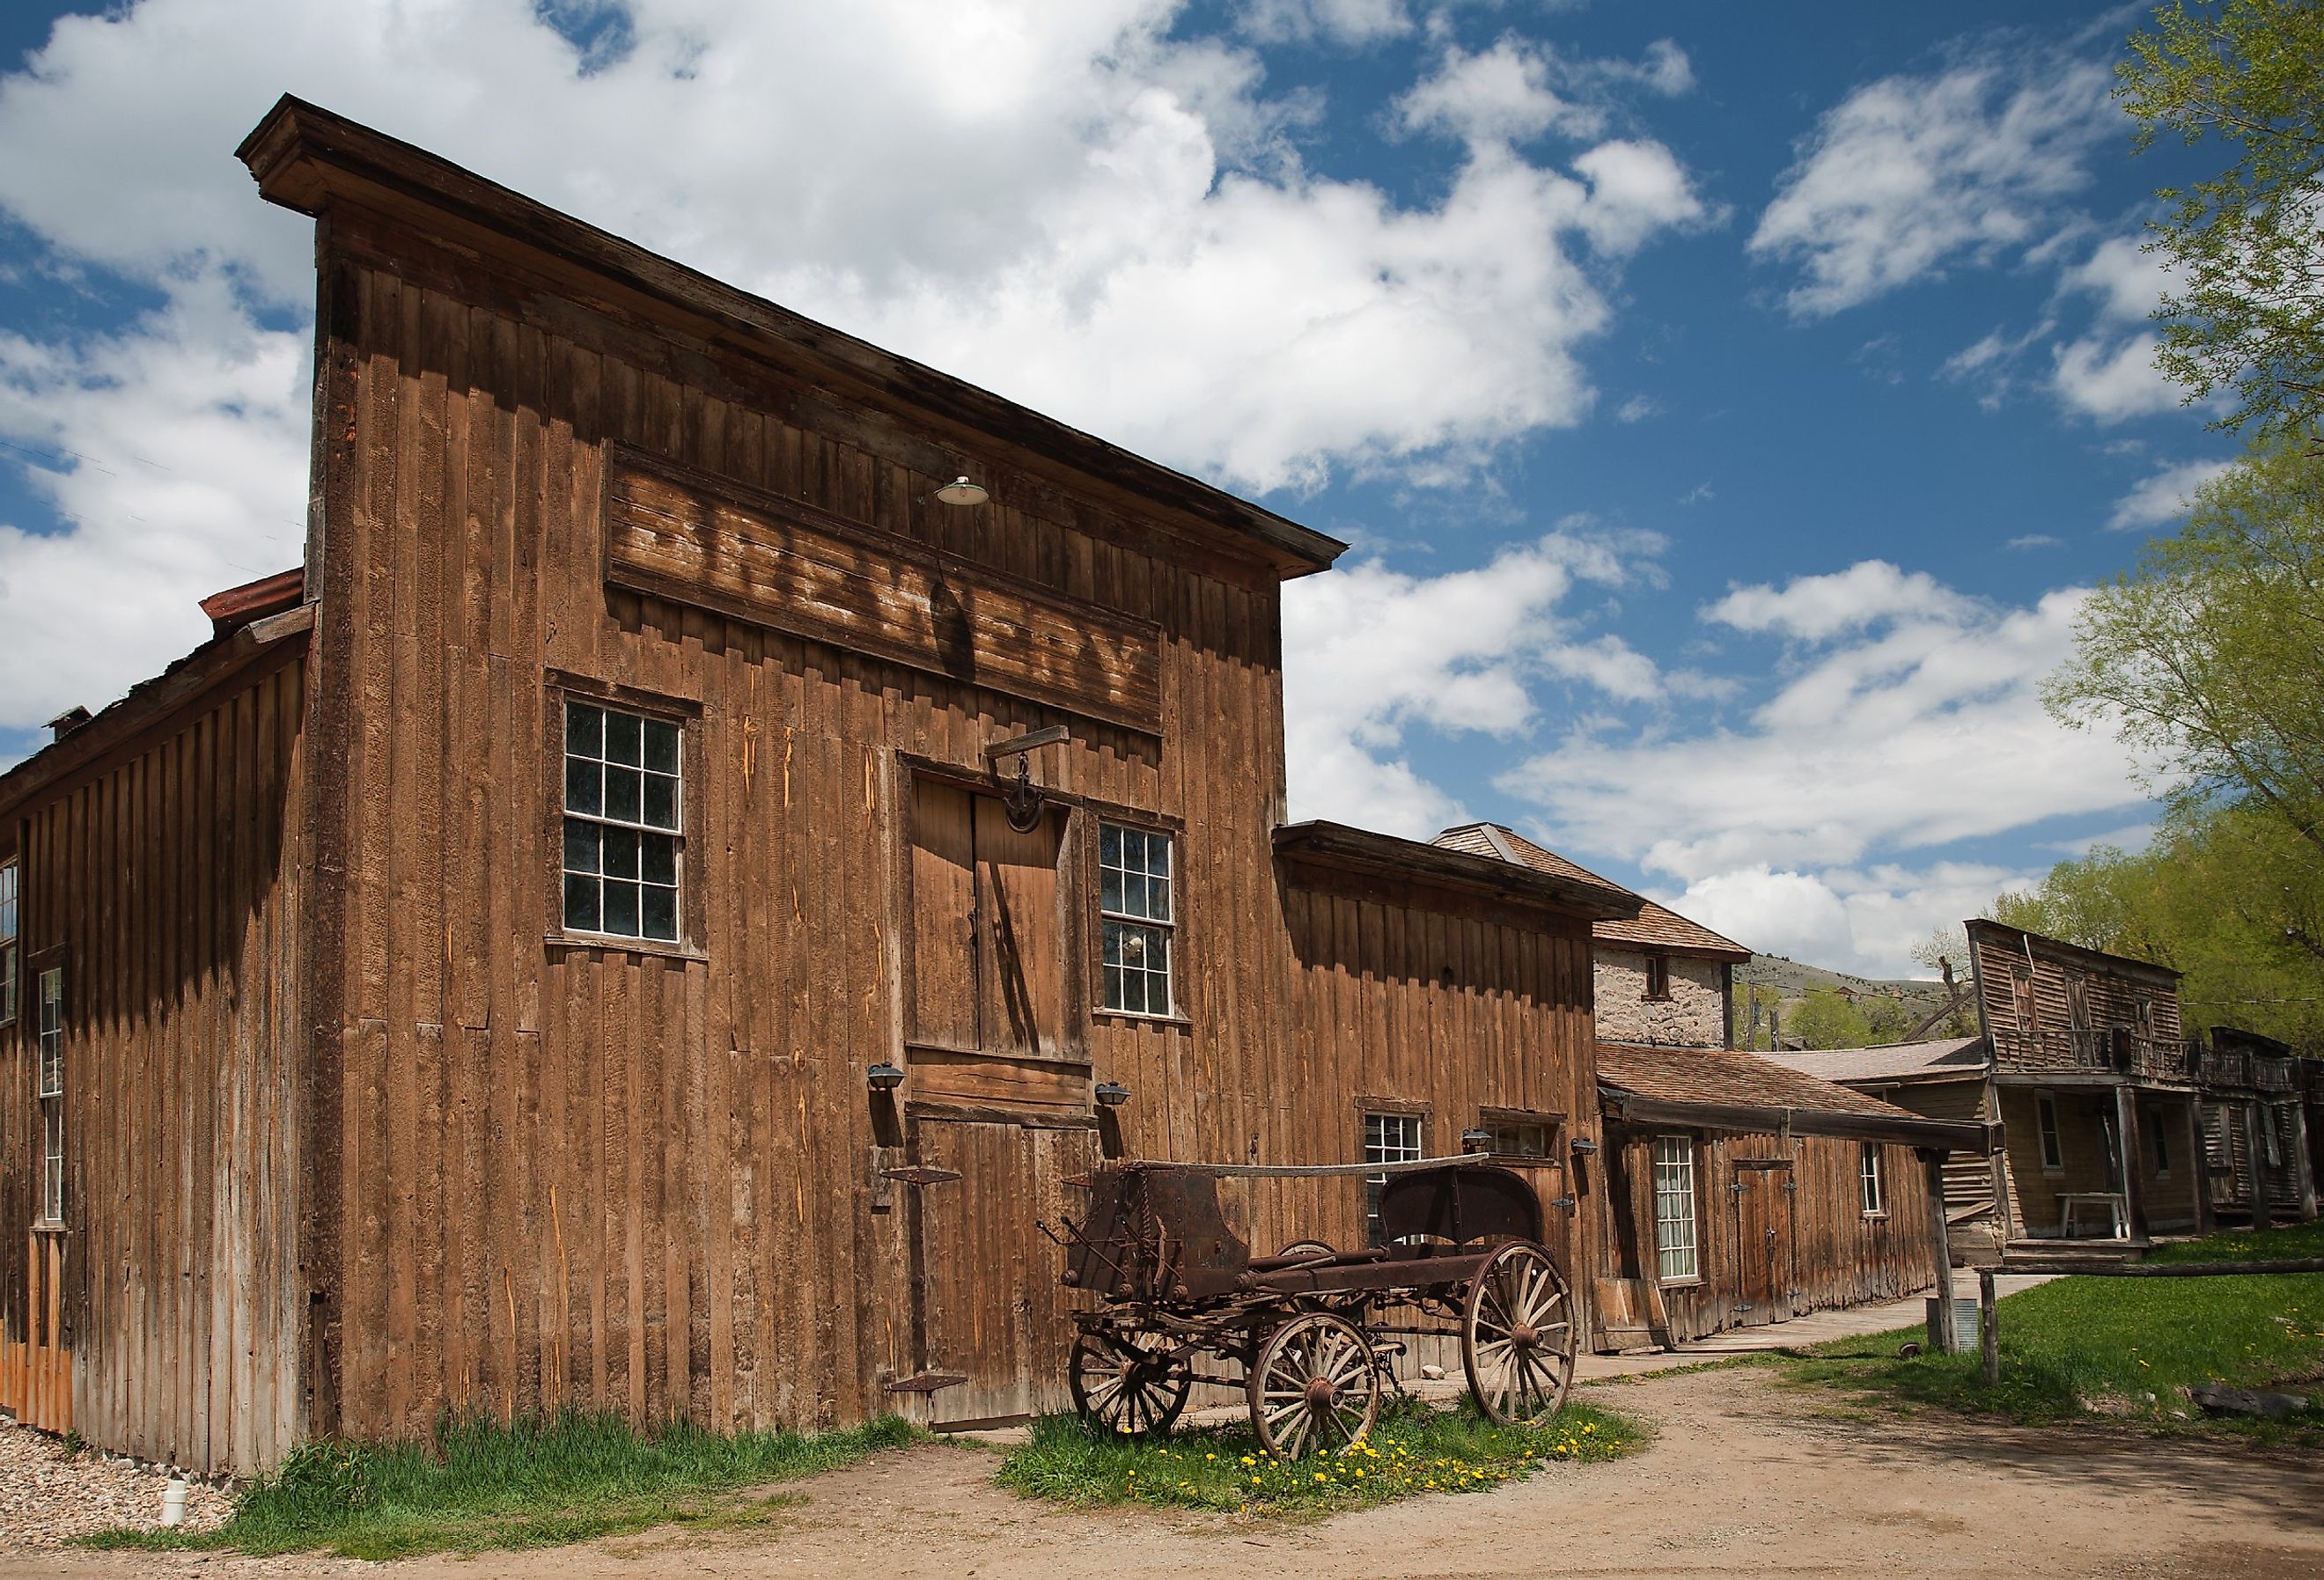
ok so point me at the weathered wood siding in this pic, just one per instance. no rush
(166, 881)
(2048, 1009)
(645, 1179)
(1766, 1252)
(1454, 1012)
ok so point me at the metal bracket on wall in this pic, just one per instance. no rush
(926, 1382)
(919, 1173)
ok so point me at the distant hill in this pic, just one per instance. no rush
(1793, 979)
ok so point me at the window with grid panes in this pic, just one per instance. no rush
(48, 1024)
(623, 837)
(8, 942)
(1876, 1199)
(1519, 1138)
(1136, 910)
(1389, 1138)
(1675, 1218)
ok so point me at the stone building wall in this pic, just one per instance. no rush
(1694, 1014)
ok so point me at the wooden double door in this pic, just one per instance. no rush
(998, 1098)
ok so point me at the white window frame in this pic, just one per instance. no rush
(602, 827)
(11, 908)
(1872, 1174)
(1138, 919)
(2050, 1134)
(49, 1089)
(1389, 1138)
(1678, 1216)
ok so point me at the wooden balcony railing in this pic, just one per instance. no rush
(2110, 1049)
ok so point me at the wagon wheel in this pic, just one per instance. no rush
(1316, 1385)
(1128, 1383)
(1516, 1336)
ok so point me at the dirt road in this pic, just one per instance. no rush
(1745, 1477)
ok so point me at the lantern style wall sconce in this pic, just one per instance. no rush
(1476, 1140)
(1111, 1094)
(883, 1076)
(1583, 1146)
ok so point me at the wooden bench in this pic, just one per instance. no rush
(2071, 1202)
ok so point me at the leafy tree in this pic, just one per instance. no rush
(1750, 1030)
(1948, 943)
(2208, 656)
(1886, 1020)
(2247, 312)
(1825, 1019)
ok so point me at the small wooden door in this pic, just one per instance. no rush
(988, 930)
(1762, 1234)
(991, 1309)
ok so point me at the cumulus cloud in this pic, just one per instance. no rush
(1074, 205)
(178, 457)
(2162, 496)
(1371, 653)
(1342, 22)
(1910, 174)
(2109, 380)
(1501, 93)
(1908, 718)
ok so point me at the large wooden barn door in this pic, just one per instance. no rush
(988, 934)
(991, 1309)
(1762, 1234)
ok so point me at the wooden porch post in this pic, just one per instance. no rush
(1932, 1176)
(2127, 1143)
(2199, 1166)
(2257, 1155)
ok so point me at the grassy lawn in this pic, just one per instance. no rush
(1414, 1449)
(2123, 1347)
(2298, 1243)
(481, 1484)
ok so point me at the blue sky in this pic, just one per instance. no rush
(1729, 406)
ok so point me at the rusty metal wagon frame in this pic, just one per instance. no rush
(1315, 1330)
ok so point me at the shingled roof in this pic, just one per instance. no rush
(1951, 1058)
(1723, 1089)
(1655, 926)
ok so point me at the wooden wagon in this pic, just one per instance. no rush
(1315, 1330)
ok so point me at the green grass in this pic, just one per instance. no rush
(1413, 1450)
(2079, 1343)
(2298, 1243)
(480, 1483)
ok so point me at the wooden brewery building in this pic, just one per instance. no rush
(725, 822)
(1738, 1192)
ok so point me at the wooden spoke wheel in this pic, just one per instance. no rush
(1518, 1338)
(1128, 1383)
(1316, 1386)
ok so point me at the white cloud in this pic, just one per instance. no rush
(2129, 280)
(1909, 718)
(2036, 541)
(1342, 22)
(1070, 205)
(1813, 608)
(1637, 409)
(1908, 175)
(182, 461)
(2110, 381)
(1370, 653)
(1502, 94)
(2163, 498)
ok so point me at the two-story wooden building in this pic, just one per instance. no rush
(724, 825)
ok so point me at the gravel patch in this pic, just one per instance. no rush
(49, 1495)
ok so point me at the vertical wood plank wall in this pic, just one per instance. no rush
(1836, 1256)
(643, 1180)
(166, 882)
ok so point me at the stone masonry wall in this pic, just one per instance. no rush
(1693, 1016)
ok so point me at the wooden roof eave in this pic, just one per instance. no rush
(152, 705)
(2096, 959)
(1341, 848)
(1949, 1135)
(305, 158)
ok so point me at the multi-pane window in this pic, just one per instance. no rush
(1658, 976)
(8, 942)
(1389, 1138)
(623, 831)
(50, 1056)
(2045, 1116)
(1135, 905)
(1675, 1221)
(1519, 1138)
(1876, 1199)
